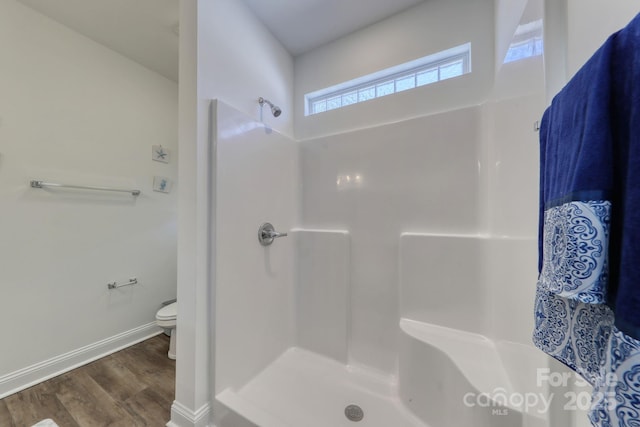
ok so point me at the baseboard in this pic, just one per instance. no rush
(34, 374)
(181, 416)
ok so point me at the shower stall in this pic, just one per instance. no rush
(399, 296)
(402, 293)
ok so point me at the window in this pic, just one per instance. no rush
(443, 65)
(526, 43)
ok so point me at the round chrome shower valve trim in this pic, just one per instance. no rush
(267, 233)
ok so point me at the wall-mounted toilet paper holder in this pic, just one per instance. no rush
(115, 285)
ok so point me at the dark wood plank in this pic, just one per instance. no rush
(130, 388)
(88, 403)
(149, 408)
(5, 416)
(37, 403)
(115, 378)
(152, 368)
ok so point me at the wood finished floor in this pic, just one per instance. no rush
(133, 387)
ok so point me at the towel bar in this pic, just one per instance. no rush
(42, 184)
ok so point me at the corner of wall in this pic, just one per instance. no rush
(243, 61)
(192, 364)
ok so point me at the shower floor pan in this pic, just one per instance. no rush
(302, 388)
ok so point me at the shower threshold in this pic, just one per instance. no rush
(302, 388)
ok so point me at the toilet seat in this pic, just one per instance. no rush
(166, 316)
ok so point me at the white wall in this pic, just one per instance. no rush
(239, 61)
(256, 182)
(227, 54)
(574, 30)
(76, 112)
(517, 102)
(465, 171)
(397, 147)
(508, 14)
(194, 339)
(404, 186)
(555, 49)
(323, 292)
(425, 29)
(590, 23)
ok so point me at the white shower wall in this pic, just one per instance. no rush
(76, 112)
(402, 187)
(225, 53)
(441, 212)
(589, 24)
(256, 181)
(397, 146)
(467, 176)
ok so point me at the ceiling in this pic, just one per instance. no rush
(301, 25)
(146, 30)
(142, 30)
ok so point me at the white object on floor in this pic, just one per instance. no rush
(46, 423)
(166, 318)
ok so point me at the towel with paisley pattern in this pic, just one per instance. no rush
(587, 311)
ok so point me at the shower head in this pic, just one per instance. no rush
(275, 110)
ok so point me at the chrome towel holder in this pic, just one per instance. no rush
(42, 184)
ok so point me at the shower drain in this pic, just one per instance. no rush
(354, 413)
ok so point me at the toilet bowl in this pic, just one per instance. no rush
(166, 318)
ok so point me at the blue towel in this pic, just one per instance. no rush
(588, 292)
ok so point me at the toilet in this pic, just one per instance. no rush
(166, 318)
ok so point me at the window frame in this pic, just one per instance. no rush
(373, 81)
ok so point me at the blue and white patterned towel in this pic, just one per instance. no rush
(587, 309)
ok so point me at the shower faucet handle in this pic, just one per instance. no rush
(274, 234)
(267, 233)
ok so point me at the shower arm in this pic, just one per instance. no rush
(262, 101)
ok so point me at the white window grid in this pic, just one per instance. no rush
(527, 42)
(524, 49)
(432, 72)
